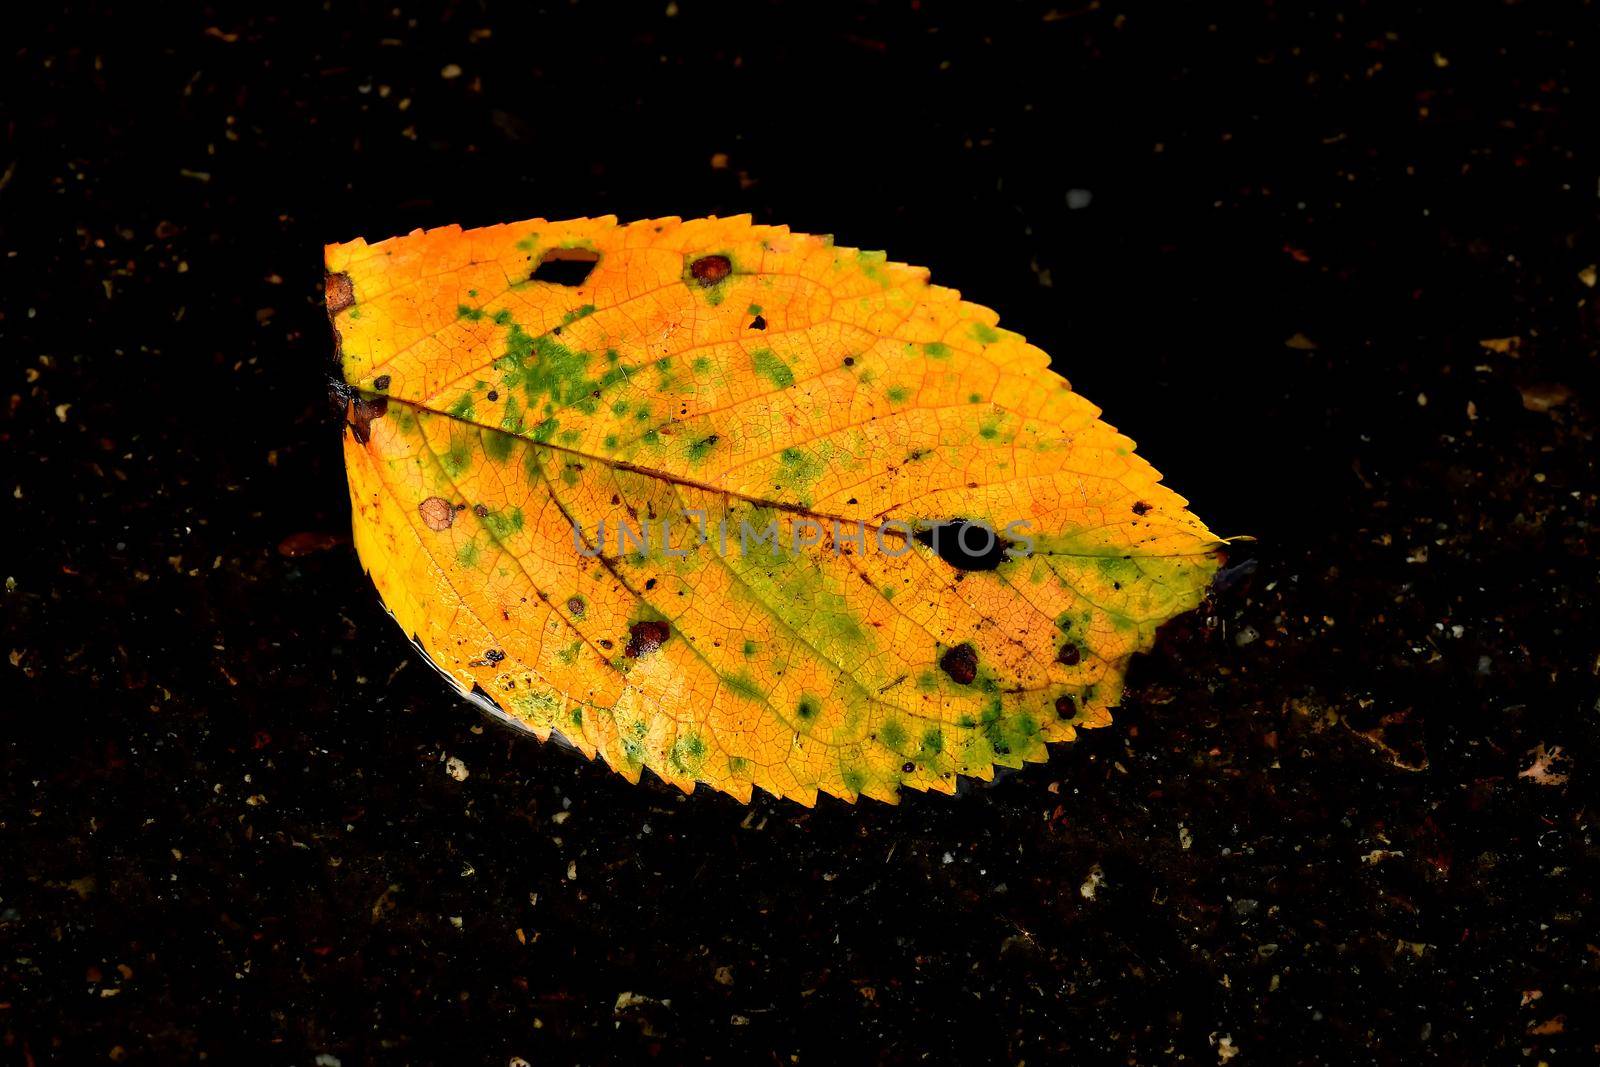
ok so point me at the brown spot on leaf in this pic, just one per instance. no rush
(1140, 507)
(576, 606)
(1069, 655)
(645, 637)
(494, 655)
(437, 514)
(480, 510)
(709, 270)
(1066, 707)
(363, 411)
(960, 663)
(338, 291)
(381, 382)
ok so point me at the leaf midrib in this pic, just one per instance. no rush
(708, 487)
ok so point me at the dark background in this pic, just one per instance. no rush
(226, 827)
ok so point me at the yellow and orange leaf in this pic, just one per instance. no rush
(514, 387)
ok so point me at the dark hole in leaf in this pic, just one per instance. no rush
(758, 323)
(966, 546)
(565, 266)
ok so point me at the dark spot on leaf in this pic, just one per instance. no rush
(650, 583)
(576, 606)
(437, 514)
(381, 382)
(1069, 655)
(494, 655)
(338, 292)
(605, 642)
(565, 266)
(493, 396)
(1066, 707)
(1140, 507)
(849, 361)
(480, 510)
(960, 663)
(709, 270)
(966, 546)
(645, 637)
(908, 768)
(758, 323)
(363, 410)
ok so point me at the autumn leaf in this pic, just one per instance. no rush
(518, 391)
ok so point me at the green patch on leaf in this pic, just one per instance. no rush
(504, 523)
(745, 686)
(893, 735)
(577, 313)
(770, 367)
(688, 754)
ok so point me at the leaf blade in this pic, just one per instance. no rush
(749, 374)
